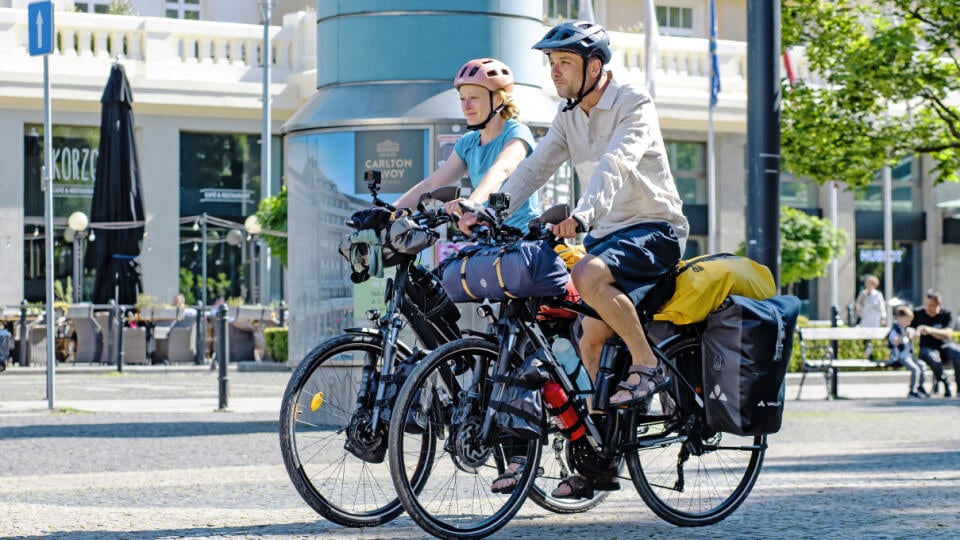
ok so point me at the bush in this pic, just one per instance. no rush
(276, 343)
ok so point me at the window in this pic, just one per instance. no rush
(797, 192)
(219, 176)
(675, 20)
(561, 9)
(688, 162)
(75, 153)
(183, 9)
(93, 6)
(905, 193)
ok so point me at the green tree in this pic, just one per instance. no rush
(272, 214)
(888, 68)
(807, 246)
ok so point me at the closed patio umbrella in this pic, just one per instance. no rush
(117, 204)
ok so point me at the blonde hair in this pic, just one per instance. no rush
(903, 311)
(870, 278)
(510, 109)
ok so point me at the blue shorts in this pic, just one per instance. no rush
(637, 256)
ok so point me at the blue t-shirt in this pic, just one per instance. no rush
(479, 158)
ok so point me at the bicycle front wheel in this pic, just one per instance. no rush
(555, 466)
(333, 455)
(454, 500)
(686, 473)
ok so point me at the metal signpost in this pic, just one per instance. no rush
(40, 23)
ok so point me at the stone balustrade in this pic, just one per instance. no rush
(160, 50)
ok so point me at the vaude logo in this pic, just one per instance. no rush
(718, 394)
(696, 268)
(717, 363)
(483, 283)
(762, 403)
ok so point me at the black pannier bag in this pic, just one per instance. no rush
(519, 405)
(746, 350)
(496, 273)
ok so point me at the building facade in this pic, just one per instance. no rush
(194, 67)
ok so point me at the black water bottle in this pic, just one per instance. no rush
(609, 374)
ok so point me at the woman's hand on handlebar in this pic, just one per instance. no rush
(567, 228)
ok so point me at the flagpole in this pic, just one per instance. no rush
(711, 146)
(650, 46)
(711, 187)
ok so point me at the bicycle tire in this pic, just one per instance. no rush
(715, 482)
(455, 500)
(333, 481)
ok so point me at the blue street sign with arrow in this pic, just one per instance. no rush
(40, 23)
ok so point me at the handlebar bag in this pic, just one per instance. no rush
(524, 269)
(385, 243)
(747, 345)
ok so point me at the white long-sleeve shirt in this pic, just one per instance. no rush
(619, 150)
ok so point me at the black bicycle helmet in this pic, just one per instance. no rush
(580, 37)
(583, 38)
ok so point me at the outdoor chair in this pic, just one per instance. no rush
(89, 337)
(180, 344)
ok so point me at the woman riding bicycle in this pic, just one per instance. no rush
(489, 153)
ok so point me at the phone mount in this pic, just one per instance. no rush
(372, 178)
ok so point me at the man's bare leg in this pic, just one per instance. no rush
(595, 283)
(596, 286)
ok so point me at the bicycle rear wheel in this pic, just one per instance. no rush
(319, 418)
(455, 500)
(688, 474)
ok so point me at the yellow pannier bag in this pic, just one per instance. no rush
(571, 255)
(702, 283)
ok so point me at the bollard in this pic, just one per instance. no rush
(111, 338)
(834, 322)
(23, 333)
(223, 356)
(281, 312)
(200, 342)
(120, 318)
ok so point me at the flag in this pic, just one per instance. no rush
(650, 45)
(585, 10)
(714, 63)
(788, 66)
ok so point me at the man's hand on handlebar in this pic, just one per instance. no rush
(567, 228)
(454, 209)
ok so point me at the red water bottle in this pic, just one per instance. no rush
(561, 407)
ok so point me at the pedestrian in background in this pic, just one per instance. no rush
(935, 326)
(871, 308)
(900, 340)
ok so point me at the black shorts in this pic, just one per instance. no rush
(637, 256)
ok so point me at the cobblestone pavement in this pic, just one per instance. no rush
(877, 467)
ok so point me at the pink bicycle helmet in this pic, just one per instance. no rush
(486, 72)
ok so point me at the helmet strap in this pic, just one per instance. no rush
(493, 112)
(571, 103)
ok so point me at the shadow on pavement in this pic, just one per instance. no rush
(895, 462)
(138, 430)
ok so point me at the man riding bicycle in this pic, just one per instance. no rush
(630, 205)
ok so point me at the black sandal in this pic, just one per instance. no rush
(652, 381)
(583, 488)
(510, 475)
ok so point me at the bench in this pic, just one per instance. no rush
(818, 356)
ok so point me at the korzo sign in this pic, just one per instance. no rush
(398, 154)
